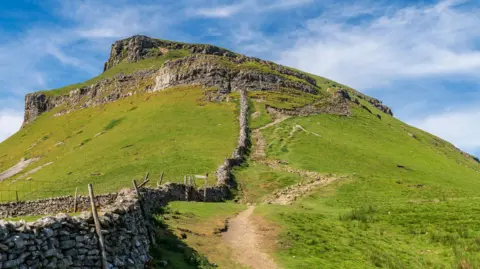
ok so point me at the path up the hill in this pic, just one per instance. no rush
(245, 239)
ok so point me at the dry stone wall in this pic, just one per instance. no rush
(224, 172)
(71, 242)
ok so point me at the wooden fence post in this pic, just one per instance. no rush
(160, 182)
(205, 188)
(98, 228)
(75, 201)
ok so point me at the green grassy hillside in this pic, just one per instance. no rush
(173, 131)
(401, 198)
(409, 200)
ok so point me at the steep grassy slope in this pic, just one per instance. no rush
(410, 200)
(174, 131)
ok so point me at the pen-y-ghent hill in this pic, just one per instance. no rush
(327, 177)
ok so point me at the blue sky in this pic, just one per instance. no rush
(420, 58)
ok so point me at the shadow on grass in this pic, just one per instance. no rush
(171, 252)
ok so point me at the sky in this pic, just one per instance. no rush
(420, 58)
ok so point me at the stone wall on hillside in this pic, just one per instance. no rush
(66, 242)
(224, 172)
(72, 242)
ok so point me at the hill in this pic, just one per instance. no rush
(339, 181)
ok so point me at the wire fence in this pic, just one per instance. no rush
(34, 190)
(28, 190)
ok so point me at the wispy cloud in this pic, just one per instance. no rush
(246, 6)
(415, 41)
(460, 126)
(220, 11)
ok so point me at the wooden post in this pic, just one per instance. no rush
(161, 179)
(75, 201)
(98, 228)
(143, 184)
(142, 209)
(205, 188)
(134, 182)
(186, 187)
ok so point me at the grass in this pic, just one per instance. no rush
(199, 224)
(124, 68)
(409, 202)
(172, 131)
(258, 180)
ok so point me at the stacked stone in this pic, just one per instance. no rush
(59, 242)
(224, 172)
(125, 231)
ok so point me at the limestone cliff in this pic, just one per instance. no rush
(206, 65)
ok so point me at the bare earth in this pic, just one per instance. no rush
(245, 239)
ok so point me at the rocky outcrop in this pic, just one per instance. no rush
(337, 104)
(104, 91)
(211, 71)
(376, 103)
(139, 47)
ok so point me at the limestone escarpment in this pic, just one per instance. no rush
(139, 47)
(207, 66)
(231, 74)
(102, 92)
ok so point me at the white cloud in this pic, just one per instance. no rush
(246, 6)
(10, 122)
(410, 42)
(460, 126)
(219, 12)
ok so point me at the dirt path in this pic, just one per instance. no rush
(260, 144)
(245, 239)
